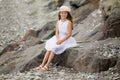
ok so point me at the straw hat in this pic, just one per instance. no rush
(64, 8)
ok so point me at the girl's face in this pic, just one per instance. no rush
(63, 14)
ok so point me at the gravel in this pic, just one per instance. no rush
(61, 73)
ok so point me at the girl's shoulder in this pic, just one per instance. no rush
(69, 22)
(57, 21)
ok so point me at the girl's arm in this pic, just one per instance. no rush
(57, 32)
(68, 34)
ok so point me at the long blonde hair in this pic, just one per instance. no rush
(69, 17)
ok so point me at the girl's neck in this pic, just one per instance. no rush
(63, 20)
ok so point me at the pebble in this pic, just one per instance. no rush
(63, 74)
(108, 50)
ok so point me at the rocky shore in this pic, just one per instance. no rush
(61, 73)
(57, 72)
(26, 24)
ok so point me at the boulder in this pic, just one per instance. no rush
(15, 61)
(22, 53)
(10, 47)
(111, 13)
(118, 65)
(112, 26)
(110, 6)
(90, 62)
(105, 79)
(91, 28)
(24, 16)
(53, 4)
(83, 8)
(80, 3)
(90, 57)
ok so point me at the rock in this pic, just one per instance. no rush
(111, 7)
(104, 79)
(28, 34)
(77, 4)
(29, 40)
(47, 31)
(82, 8)
(17, 17)
(91, 28)
(111, 13)
(118, 65)
(93, 53)
(66, 58)
(11, 47)
(54, 4)
(35, 61)
(17, 60)
(112, 26)
(64, 73)
(88, 58)
(92, 63)
(84, 59)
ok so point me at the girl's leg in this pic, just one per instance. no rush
(46, 57)
(44, 60)
(51, 56)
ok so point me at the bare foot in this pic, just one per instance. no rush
(45, 68)
(39, 67)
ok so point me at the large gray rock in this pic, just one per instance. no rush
(15, 61)
(112, 26)
(53, 4)
(90, 57)
(110, 6)
(111, 13)
(118, 64)
(28, 46)
(80, 3)
(91, 28)
(83, 8)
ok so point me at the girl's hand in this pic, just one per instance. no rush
(58, 42)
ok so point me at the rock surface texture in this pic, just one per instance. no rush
(25, 25)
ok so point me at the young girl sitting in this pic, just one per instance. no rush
(62, 38)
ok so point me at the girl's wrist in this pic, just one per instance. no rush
(57, 39)
(61, 41)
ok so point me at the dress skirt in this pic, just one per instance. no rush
(51, 45)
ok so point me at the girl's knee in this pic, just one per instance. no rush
(49, 51)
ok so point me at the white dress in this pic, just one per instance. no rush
(51, 45)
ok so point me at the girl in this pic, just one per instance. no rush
(62, 38)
